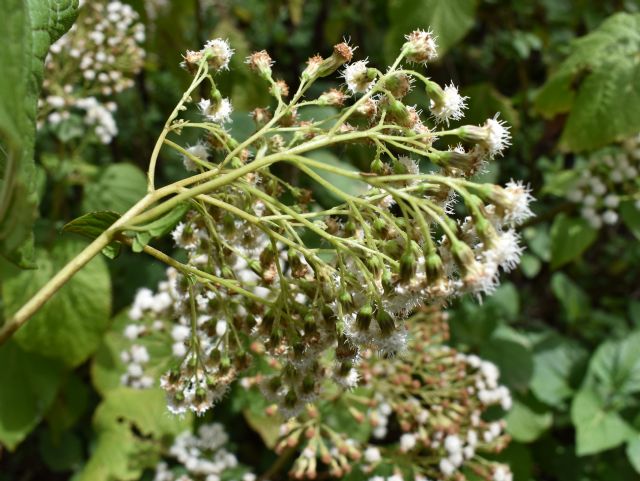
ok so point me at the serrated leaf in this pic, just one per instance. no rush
(29, 28)
(129, 424)
(70, 325)
(93, 224)
(29, 383)
(450, 20)
(615, 366)
(598, 428)
(159, 227)
(598, 85)
(556, 365)
(570, 237)
(118, 187)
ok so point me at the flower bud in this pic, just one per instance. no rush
(408, 265)
(420, 47)
(385, 322)
(398, 85)
(333, 97)
(260, 62)
(363, 318)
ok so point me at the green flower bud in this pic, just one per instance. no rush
(363, 318)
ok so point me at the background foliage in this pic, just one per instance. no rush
(565, 331)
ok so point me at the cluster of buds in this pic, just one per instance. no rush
(421, 233)
(424, 410)
(202, 457)
(96, 59)
(610, 177)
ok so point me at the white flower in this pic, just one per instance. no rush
(395, 477)
(446, 467)
(499, 137)
(420, 46)
(179, 332)
(506, 250)
(357, 78)
(449, 107)
(517, 199)
(221, 327)
(610, 217)
(452, 444)
(139, 354)
(502, 473)
(220, 53)
(199, 151)
(219, 112)
(407, 442)
(372, 454)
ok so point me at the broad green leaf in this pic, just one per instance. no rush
(70, 325)
(93, 224)
(570, 237)
(70, 405)
(28, 386)
(633, 452)
(598, 428)
(559, 183)
(268, 427)
(159, 227)
(61, 452)
(556, 365)
(598, 85)
(530, 265)
(450, 21)
(575, 302)
(29, 27)
(511, 352)
(615, 366)
(631, 217)
(129, 424)
(528, 419)
(118, 187)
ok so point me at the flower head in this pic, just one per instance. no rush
(449, 105)
(218, 112)
(357, 77)
(420, 47)
(218, 53)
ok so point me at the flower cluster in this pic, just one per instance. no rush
(422, 232)
(610, 177)
(94, 60)
(425, 416)
(204, 457)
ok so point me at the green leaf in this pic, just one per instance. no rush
(570, 237)
(615, 366)
(597, 427)
(559, 183)
(511, 352)
(631, 217)
(29, 383)
(118, 187)
(159, 227)
(633, 452)
(93, 224)
(528, 419)
(129, 424)
(557, 362)
(598, 85)
(450, 21)
(268, 427)
(62, 452)
(29, 28)
(70, 405)
(69, 326)
(347, 185)
(575, 302)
